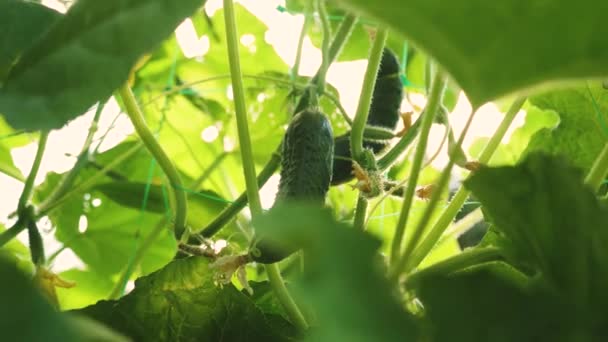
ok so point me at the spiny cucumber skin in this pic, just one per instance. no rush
(306, 170)
(307, 158)
(384, 112)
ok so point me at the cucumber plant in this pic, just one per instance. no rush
(306, 170)
(540, 268)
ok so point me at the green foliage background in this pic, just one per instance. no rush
(548, 229)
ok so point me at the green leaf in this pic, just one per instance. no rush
(84, 57)
(202, 205)
(21, 24)
(557, 226)
(113, 232)
(16, 252)
(90, 288)
(181, 303)
(338, 281)
(480, 307)
(583, 126)
(492, 51)
(9, 139)
(7, 166)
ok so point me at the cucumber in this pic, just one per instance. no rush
(383, 112)
(306, 170)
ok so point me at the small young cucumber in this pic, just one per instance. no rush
(306, 169)
(383, 112)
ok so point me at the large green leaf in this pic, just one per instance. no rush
(90, 287)
(113, 232)
(492, 50)
(84, 57)
(557, 227)
(21, 24)
(181, 303)
(479, 307)
(583, 127)
(202, 205)
(351, 299)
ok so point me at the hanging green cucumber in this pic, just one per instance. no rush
(306, 171)
(383, 113)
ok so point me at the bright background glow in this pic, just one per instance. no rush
(283, 32)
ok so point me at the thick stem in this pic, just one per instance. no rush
(367, 91)
(274, 275)
(598, 171)
(462, 194)
(31, 178)
(290, 306)
(136, 116)
(238, 91)
(360, 213)
(458, 262)
(344, 31)
(430, 208)
(428, 117)
(461, 226)
(12, 232)
(394, 153)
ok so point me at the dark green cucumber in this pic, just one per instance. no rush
(307, 157)
(383, 112)
(306, 170)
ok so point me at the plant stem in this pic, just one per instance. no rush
(28, 187)
(461, 226)
(458, 262)
(25, 214)
(325, 28)
(241, 110)
(428, 117)
(367, 91)
(391, 156)
(462, 194)
(430, 208)
(274, 275)
(290, 306)
(360, 213)
(344, 31)
(295, 71)
(598, 171)
(229, 212)
(273, 164)
(136, 116)
(12, 232)
(68, 179)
